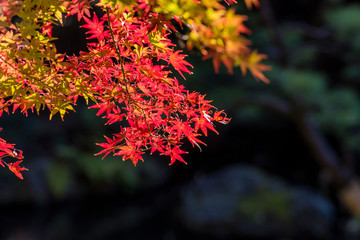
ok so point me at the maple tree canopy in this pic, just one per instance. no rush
(126, 72)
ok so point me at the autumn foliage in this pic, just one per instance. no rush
(127, 73)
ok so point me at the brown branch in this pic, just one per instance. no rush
(348, 186)
(321, 150)
(315, 140)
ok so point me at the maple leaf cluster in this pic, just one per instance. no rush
(8, 150)
(127, 73)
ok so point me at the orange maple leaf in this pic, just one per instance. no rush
(255, 67)
(250, 3)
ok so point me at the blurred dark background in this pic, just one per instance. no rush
(286, 166)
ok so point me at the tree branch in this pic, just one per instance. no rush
(315, 140)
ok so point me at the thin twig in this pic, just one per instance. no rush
(118, 54)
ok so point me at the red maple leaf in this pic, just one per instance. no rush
(204, 122)
(110, 146)
(96, 27)
(79, 7)
(130, 152)
(178, 62)
(47, 29)
(15, 168)
(174, 154)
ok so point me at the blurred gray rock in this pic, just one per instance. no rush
(243, 201)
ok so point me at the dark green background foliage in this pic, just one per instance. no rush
(314, 51)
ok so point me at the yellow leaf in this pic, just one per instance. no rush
(59, 17)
